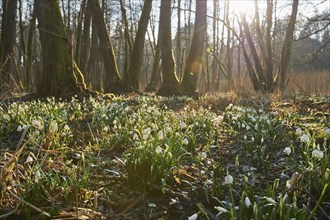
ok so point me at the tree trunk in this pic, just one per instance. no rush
(258, 70)
(194, 61)
(58, 76)
(154, 83)
(269, 52)
(133, 73)
(170, 85)
(8, 36)
(79, 31)
(112, 82)
(84, 54)
(287, 46)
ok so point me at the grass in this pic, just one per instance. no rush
(222, 157)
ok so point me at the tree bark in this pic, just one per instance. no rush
(8, 36)
(170, 85)
(112, 81)
(287, 46)
(58, 76)
(194, 61)
(133, 73)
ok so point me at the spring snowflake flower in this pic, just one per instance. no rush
(135, 137)
(326, 175)
(29, 159)
(183, 125)
(288, 184)
(298, 131)
(160, 135)
(287, 150)
(252, 139)
(304, 138)
(327, 131)
(146, 132)
(245, 137)
(229, 179)
(220, 209)
(53, 126)
(106, 129)
(318, 154)
(262, 140)
(185, 141)
(193, 217)
(36, 123)
(38, 174)
(159, 150)
(270, 200)
(247, 202)
(66, 128)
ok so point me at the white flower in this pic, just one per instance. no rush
(318, 154)
(29, 159)
(245, 137)
(326, 175)
(169, 154)
(160, 135)
(298, 131)
(37, 124)
(185, 141)
(193, 217)
(262, 140)
(106, 129)
(19, 128)
(285, 197)
(135, 137)
(146, 132)
(287, 150)
(247, 202)
(159, 150)
(247, 127)
(53, 126)
(304, 138)
(66, 128)
(152, 205)
(183, 125)
(327, 131)
(220, 209)
(37, 174)
(252, 139)
(270, 200)
(243, 125)
(288, 184)
(229, 179)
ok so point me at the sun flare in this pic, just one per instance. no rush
(242, 6)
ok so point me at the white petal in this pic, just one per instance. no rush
(247, 202)
(159, 150)
(229, 179)
(220, 209)
(270, 200)
(193, 217)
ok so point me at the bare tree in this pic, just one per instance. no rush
(195, 57)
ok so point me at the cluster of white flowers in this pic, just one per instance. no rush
(317, 154)
(37, 124)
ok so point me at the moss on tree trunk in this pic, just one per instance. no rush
(57, 76)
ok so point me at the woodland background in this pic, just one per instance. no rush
(120, 46)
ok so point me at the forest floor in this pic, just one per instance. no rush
(145, 157)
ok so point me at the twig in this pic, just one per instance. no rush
(29, 204)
